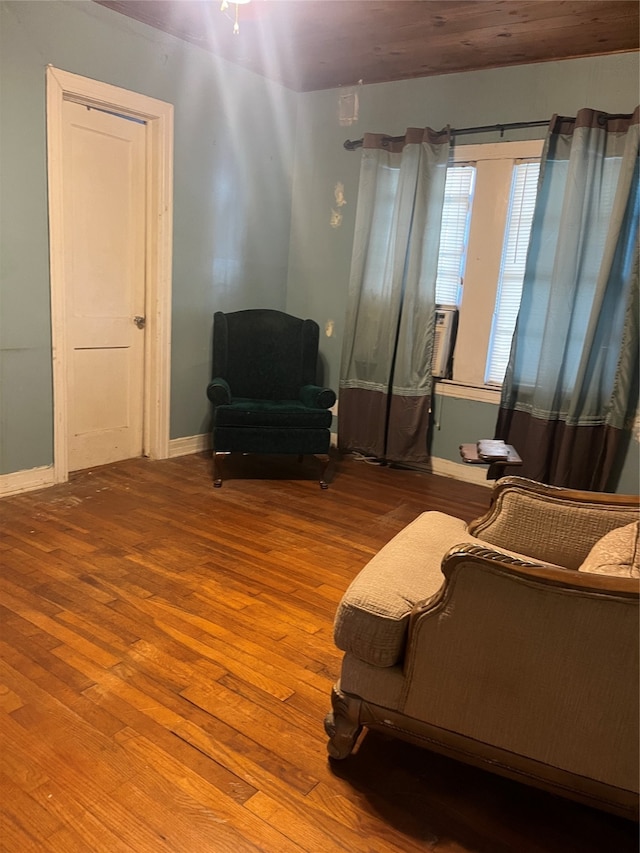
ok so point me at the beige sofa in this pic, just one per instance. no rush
(510, 643)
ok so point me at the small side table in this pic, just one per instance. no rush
(469, 453)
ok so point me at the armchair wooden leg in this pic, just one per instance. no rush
(217, 468)
(342, 724)
(323, 458)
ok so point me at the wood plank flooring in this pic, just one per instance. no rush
(166, 659)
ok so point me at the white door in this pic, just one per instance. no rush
(104, 236)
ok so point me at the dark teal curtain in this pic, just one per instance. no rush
(571, 387)
(385, 380)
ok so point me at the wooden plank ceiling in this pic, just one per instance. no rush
(320, 44)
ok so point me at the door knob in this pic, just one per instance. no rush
(140, 321)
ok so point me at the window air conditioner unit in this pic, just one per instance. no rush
(445, 336)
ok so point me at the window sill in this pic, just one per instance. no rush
(479, 393)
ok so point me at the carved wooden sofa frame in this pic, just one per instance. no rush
(516, 662)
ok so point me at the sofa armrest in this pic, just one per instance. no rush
(218, 392)
(542, 574)
(537, 660)
(316, 397)
(373, 616)
(549, 523)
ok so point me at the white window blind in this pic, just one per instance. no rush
(524, 188)
(454, 233)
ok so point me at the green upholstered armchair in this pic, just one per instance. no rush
(264, 390)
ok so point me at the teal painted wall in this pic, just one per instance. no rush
(231, 212)
(457, 422)
(320, 254)
(248, 231)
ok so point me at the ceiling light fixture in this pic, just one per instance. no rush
(236, 3)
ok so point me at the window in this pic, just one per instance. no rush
(489, 200)
(524, 188)
(454, 233)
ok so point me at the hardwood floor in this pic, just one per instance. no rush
(166, 663)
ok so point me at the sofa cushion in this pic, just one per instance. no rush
(617, 553)
(372, 619)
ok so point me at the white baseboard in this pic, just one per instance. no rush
(460, 471)
(189, 444)
(26, 481)
(442, 467)
(198, 443)
(455, 471)
(40, 478)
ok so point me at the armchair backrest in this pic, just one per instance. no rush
(265, 354)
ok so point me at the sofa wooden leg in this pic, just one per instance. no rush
(217, 468)
(323, 458)
(342, 724)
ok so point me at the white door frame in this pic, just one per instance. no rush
(158, 117)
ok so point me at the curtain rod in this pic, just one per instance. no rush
(351, 145)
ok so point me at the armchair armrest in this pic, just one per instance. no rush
(317, 397)
(549, 523)
(218, 392)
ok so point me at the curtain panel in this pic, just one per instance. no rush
(571, 387)
(385, 382)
